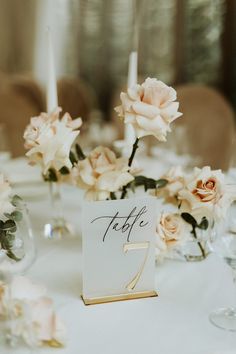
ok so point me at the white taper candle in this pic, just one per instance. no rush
(132, 80)
(52, 99)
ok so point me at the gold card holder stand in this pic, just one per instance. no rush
(121, 297)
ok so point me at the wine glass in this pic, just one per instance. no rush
(17, 253)
(223, 243)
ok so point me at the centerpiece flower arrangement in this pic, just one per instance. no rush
(149, 107)
(32, 315)
(48, 139)
(10, 215)
(196, 202)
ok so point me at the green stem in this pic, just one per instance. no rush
(135, 146)
(199, 243)
(113, 196)
(134, 149)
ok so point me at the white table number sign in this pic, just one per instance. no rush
(118, 249)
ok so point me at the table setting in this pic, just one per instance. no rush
(108, 250)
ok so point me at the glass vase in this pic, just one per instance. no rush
(57, 228)
(17, 253)
(195, 248)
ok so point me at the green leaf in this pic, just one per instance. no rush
(16, 215)
(17, 201)
(1, 224)
(189, 219)
(161, 183)
(9, 225)
(73, 159)
(148, 183)
(79, 152)
(2, 235)
(132, 186)
(11, 255)
(113, 196)
(64, 170)
(8, 241)
(203, 224)
(51, 176)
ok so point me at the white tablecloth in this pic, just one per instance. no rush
(174, 323)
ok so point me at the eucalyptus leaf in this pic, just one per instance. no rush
(2, 234)
(11, 255)
(189, 219)
(16, 215)
(8, 241)
(16, 201)
(9, 225)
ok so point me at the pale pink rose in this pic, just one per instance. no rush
(23, 288)
(176, 182)
(49, 140)
(207, 194)
(171, 230)
(150, 108)
(5, 199)
(33, 317)
(101, 173)
(38, 126)
(74, 124)
(47, 324)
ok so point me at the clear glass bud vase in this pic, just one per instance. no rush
(196, 247)
(57, 228)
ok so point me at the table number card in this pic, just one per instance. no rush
(118, 249)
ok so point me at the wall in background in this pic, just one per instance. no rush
(179, 41)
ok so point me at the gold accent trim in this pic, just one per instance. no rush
(121, 297)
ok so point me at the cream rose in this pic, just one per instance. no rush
(49, 140)
(172, 229)
(176, 182)
(5, 200)
(150, 108)
(102, 173)
(207, 194)
(33, 317)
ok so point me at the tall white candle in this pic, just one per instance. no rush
(132, 80)
(52, 99)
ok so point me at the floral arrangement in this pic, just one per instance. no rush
(48, 140)
(199, 201)
(150, 107)
(33, 319)
(10, 215)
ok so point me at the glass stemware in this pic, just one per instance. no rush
(58, 227)
(223, 243)
(17, 253)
